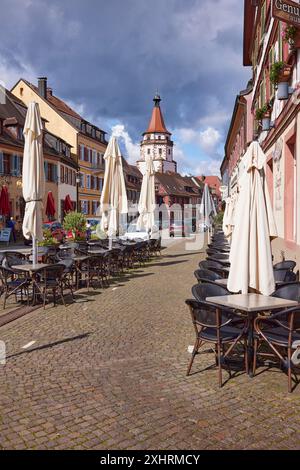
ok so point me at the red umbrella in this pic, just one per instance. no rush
(4, 202)
(50, 206)
(68, 205)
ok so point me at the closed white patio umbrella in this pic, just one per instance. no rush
(207, 208)
(146, 205)
(113, 200)
(33, 177)
(250, 254)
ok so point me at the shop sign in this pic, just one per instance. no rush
(286, 11)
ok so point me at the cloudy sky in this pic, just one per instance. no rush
(107, 58)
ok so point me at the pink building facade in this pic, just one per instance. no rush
(271, 115)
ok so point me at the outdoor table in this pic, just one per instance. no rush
(30, 269)
(101, 251)
(251, 304)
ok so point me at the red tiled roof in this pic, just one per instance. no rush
(57, 103)
(213, 182)
(157, 123)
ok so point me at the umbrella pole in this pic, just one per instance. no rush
(34, 251)
(110, 243)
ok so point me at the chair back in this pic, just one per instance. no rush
(288, 264)
(12, 258)
(205, 315)
(206, 274)
(289, 291)
(208, 289)
(50, 274)
(207, 264)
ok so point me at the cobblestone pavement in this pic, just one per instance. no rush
(110, 374)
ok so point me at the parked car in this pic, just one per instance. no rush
(133, 233)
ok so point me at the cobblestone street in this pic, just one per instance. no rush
(110, 373)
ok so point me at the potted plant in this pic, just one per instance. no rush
(280, 75)
(49, 239)
(263, 114)
(290, 36)
(75, 224)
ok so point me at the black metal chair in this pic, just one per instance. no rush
(12, 258)
(13, 284)
(218, 327)
(290, 291)
(278, 331)
(47, 279)
(208, 289)
(284, 276)
(210, 264)
(203, 275)
(214, 266)
(288, 264)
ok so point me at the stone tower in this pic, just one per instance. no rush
(157, 143)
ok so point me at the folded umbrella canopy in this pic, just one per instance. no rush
(68, 206)
(229, 214)
(113, 200)
(50, 206)
(146, 205)
(33, 176)
(250, 254)
(207, 207)
(4, 202)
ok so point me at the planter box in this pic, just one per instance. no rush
(265, 122)
(283, 91)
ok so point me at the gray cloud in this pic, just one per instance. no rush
(111, 56)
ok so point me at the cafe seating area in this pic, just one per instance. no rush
(245, 329)
(63, 270)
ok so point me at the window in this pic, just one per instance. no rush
(81, 152)
(50, 172)
(94, 158)
(1, 164)
(95, 205)
(81, 177)
(148, 151)
(15, 165)
(271, 62)
(62, 174)
(160, 151)
(88, 181)
(100, 182)
(95, 182)
(263, 19)
(280, 42)
(85, 207)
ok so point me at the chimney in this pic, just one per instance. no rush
(50, 91)
(42, 86)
